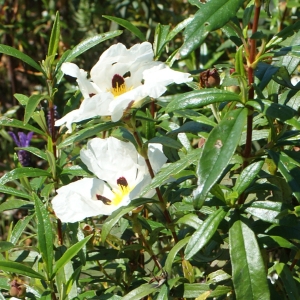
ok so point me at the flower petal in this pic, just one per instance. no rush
(98, 105)
(86, 86)
(156, 156)
(110, 159)
(77, 200)
(117, 59)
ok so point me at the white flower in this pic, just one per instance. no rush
(122, 174)
(121, 79)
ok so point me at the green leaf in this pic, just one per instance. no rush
(265, 210)
(288, 281)
(19, 229)
(247, 176)
(204, 233)
(44, 234)
(173, 252)
(126, 24)
(23, 172)
(13, 204)
(112, 220)
(210, 16)
(289, 171)
(5, 246)
(20, 55)
(32, 103)
(200, 98)
(36, 151)
(273, 110)
(87, 132)
(52, 162)
(248, 269)
(54, 38)
(173, 169)
(140, 292)
(69, 254)
(191, 220)
(161, 32)
(217, 152)
(12, 191)
(21, 98)
(193, 290)
(166, 141)
(39, 118)
(4, 121)
(14, 267)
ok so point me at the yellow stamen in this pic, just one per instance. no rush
(120, 194)
(119, 90)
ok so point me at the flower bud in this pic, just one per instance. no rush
(17, 288)
(209, 78)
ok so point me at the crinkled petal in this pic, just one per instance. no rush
(86, 86)
(77, 200)
(98, 105)
(110, 159)
(117, 59)
(163, 75)
(156, 156)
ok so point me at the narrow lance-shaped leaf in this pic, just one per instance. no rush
(247, 176)
(20, 55)
(4, 121)
(127, 25)
(69, 254)
(54, 38)
(200, 98)
(44, 234)
(217, 152)
(210, 16)
(204, 233)
(140, 292)
(248, 269)
(289, 171)
(23, 172)
(173, 169)
(32, 103)
(18, 268)
(119, 213)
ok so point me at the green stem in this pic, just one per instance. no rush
(248, 146)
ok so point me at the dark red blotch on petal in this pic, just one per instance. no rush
(117, 81)
(103, 199)
(122, 181)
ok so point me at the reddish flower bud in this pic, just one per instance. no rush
(209, 79)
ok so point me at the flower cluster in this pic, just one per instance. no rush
(122, 175)
(120, 80)
(22, 141)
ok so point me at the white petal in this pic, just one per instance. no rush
(119, 60)
(77, 200)
(163, 75)
(98, 105)
(109, 159)
(156, 156)
(86, 86)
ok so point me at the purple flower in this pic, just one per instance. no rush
(23, 141)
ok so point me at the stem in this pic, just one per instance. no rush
(252, 56)
(159, 195)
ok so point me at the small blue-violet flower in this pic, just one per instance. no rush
(23, 140)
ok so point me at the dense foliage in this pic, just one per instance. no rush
(211, 208)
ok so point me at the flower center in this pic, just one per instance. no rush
(119, 193)
(122, 191)
(118, 86)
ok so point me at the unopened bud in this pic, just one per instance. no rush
(209, 78)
